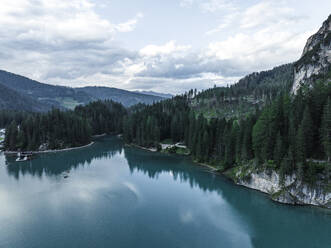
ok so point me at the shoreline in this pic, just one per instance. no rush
(52, 151)
(141, 147)
(269, 195)
(99, 136)
(223, 174)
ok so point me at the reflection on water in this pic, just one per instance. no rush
(53, 164)
(119, 196)
(266, 220)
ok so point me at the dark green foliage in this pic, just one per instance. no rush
(245, 97)
(11, 136)
(103, 116)
(61, 129)
(287, 133)
(326, 129)
(149, 124)
(7, 116)
(53, 130)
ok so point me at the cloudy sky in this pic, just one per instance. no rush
(162, 45)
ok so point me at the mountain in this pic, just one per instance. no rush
(57, 96)
(153, 93)
(315, 61)
(11, 100)
(42, 97)
(127, 98)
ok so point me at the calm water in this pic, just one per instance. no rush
(125, 197)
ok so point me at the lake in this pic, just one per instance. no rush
(108, 195)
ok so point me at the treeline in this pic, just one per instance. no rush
(52, 130)
(265, 85)
(148, 125)
(286, 134)
(103, 116)
(61, 129)
(7, 116)
(251, 93)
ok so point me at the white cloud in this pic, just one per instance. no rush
(260, 50)
(216, 5)
(186, 3)
(209, 5)
(268, 13)
(130, 24)
(227, 20)
(263, 35)
(58, 41)
(168, 48)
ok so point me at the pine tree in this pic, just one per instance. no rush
(308, 133)
(260, 136)
(326, 130)
(278, 151)
(205, 145)
(301, 146)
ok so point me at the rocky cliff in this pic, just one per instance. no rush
(316, 58)
(290, 190)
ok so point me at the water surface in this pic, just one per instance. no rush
(116, 196)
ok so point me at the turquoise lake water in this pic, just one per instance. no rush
(115, 196)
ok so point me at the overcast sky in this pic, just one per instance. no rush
(168, 46)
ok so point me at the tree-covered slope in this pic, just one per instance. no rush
(250, 93)
(11, 100)
(57, 96)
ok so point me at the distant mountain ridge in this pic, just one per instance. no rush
(153, 93)
(45, 94)
(38, 96)
(127, 98)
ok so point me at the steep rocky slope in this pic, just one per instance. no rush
(315, 61)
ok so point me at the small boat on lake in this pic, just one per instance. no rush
(23, 156)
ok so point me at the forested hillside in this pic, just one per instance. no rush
(57, 96)
(245, 97)
(11, 100)
(103, 116)
(286, 135)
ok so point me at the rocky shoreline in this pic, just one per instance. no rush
(289, 191)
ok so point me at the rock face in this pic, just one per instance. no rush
(316, 58)
(290, 191)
